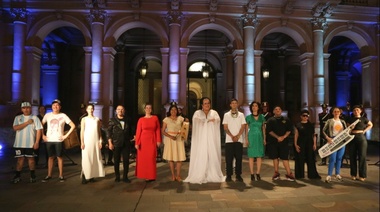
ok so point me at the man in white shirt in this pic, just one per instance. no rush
(234, 125)
(54, 137)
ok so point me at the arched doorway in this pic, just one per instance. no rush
(62, 70)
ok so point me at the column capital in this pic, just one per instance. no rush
(319, 23)
(19, 14)
(174, 17)
(97, 16)
(250, 20)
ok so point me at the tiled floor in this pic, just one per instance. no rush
(164, 195)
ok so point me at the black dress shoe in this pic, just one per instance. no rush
(150, 180)
(258, 177)
(239, 178)
(117, 179)
(228, 179)
(126, 180)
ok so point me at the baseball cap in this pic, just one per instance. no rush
(56, 101)
(26, 104)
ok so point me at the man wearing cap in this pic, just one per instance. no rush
(28, 133)
(54, 137)
(266, 113)
(323, 117)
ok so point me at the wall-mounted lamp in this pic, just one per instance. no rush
(205, 68)
(265, 73)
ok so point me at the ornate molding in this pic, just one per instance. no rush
(213, 5)
(174, 5)
(212, 18)
(288, 8)
(95, 3)
(174, 17)
(323, 10)
(251, 6)
(250, 20)
(19, 14)
(135, 4)
(97, 16)
(319, 23)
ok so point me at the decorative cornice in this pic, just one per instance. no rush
(174, 4)
(323, 10)
(19, 14)
(95, 3)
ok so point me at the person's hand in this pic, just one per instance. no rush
(314, 147)
(36, 145)
(30, 121)
(110, 146)
(136, 146)
(44, 138)
(298, 148)
(100, 145)
(82, 146)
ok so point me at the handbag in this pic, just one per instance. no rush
(71, 141)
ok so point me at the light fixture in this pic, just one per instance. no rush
(143, 66)
(206, 67)
(265, 73)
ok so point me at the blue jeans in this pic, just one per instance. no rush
(335, 160)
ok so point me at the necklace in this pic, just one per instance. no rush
(255, 115)
(234, 115)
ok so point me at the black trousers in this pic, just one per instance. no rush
(117, 153)
(358, 152)
(307, 155)
(234, 150)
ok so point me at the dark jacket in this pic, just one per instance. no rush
(120, 137)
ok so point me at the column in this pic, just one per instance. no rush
(32, 74)
(319, 25)
(165, 68)
(229, 77)
(107, 82)
(307, 95)
(239, 80)
(97, 26)
(19, 35)
(87, 74)
(183, 77)
(250, 22)
(120, 72)
(327, 78)
(258, 82)
(174, 17)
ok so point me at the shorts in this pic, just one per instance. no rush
(24, 152)
(278, 150)
(54, 149)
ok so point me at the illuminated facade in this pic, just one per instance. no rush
(91, 51)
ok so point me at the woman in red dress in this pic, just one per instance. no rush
(148, 138)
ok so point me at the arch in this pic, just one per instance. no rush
(46, 25)
(127, 23)
(203, 24)
(212, 60)
(357, 35)
(294, 31)
(196, 88)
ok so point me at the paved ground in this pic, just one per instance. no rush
(164, 195)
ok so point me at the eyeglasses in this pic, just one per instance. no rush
(305, 115)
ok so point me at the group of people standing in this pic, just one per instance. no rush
(260, 132)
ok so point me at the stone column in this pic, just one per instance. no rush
(174, 17)
(19, 16)
(258, 82)
(239, 80)
(250, 22)
(307, 95)
(97, 26)
(107, 79)
(87, 74)
(326, 76)
(319, 26)
(183, 78)
(165, 68)
(33, 67)
(229, 77)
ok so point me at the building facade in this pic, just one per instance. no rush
(294, 53)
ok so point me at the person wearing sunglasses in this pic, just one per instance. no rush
(305, 144)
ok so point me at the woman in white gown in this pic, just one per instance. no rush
(91, 144)
(205, 155)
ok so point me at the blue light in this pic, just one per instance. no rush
(1, 146)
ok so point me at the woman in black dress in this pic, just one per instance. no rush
(305, 146)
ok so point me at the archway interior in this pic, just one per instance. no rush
(281, 58)
(345, 73)
(62, 70)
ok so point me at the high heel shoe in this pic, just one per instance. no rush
(252, 177)
(258, 177)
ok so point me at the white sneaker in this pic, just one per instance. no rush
(338, 177)
(328, 179)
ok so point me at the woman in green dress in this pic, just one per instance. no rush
(255, 139)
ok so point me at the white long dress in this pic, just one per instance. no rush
(205, 155)
(92, 165)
